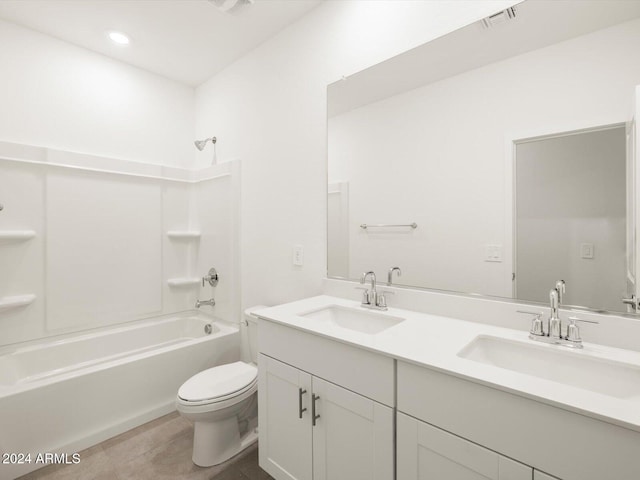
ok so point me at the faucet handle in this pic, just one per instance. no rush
(573, 332)
(365, 295)
(382, 298)
(537, 327)
(576, 319)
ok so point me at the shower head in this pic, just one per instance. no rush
(200, 144)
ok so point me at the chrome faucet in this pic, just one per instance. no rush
(211, 302)
(553, 332)
(370, 298)
(390, 274)
(554, 324)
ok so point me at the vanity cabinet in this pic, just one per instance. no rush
(285, 432)
(313, 429)
(425, 452)
(566, 444)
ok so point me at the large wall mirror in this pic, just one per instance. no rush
(495, 160)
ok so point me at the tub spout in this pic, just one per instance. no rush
(211, 302)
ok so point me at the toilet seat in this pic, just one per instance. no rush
(223, 385)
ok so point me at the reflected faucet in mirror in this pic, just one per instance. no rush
(561, 287)
(390, 274)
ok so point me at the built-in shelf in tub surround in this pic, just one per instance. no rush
(183, 282)
(184, 234)
(7, 236)
(9, 303)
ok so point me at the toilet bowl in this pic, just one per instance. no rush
(217, 400)
(220, 402)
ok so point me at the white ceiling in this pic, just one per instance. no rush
(185, 40)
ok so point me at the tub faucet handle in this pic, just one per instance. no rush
(211, 277)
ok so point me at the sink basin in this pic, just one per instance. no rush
(577, 369)
(358, 320)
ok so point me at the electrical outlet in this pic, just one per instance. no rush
(298, 255)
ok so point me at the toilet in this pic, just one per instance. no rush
(222, 404)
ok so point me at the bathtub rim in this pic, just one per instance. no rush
(224, 329)
(9, 348)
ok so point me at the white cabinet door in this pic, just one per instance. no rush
(352, 435)
(425, 452)
(284, 412)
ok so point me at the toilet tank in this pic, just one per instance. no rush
(252, 331)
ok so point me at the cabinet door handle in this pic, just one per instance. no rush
(314, 417)
(300, 409)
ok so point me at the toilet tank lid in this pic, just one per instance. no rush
(249, 314)
(218, 381)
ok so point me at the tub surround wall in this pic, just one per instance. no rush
(113, 241)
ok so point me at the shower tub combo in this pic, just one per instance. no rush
(88, 387)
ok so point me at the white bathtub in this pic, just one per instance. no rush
(64, 395)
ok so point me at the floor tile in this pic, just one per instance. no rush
(145, 438)
(250, 469)
(169, 461)
(231, 473)
(157, 450)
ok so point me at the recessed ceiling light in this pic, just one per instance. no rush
(119, 38)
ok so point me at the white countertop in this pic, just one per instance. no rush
(434, 342)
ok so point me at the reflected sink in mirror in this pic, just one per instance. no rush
(363, 321)
(576, 369)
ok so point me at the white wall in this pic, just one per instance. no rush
(57, 95)
(269, 109)
(436, 156)
(571, 190)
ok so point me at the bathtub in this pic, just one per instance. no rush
(66, 394)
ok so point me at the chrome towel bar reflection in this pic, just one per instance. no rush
(364, 226)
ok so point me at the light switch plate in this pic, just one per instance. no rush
(493, 253)
(298, 255)
(586, 250)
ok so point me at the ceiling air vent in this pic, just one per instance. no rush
(499, 17)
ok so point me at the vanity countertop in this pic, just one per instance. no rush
(434, 342)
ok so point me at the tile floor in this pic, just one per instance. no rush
(157, 450)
